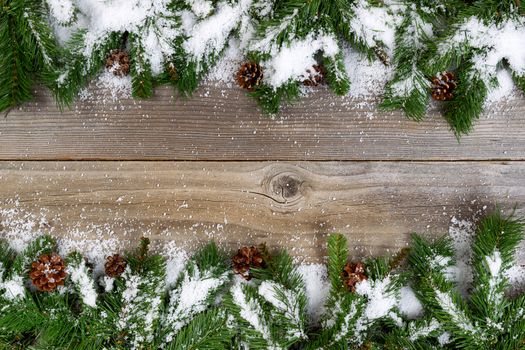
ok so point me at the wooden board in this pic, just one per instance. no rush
(293, 205)
(221, 123)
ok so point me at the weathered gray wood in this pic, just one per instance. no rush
(286, 204)
(221, 123)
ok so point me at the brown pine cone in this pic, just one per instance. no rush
(443, 86)
(48, 272)
(118, 62)
(249, 76)
(172, 72)
(246, 258)
(315, 76)
(115, 265)
(353, 274)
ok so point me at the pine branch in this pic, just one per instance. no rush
(207, 331)
(337, 258)
(195, 291)
(336, 74)
(409, 89)
(15, 65)
(76, 69)
(468, 101)
(82, 280)
(253, 324)
(142, 297)
(141, 77)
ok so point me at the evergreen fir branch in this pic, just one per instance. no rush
(79, 64)
(142, 298)
(336, 74)
(41, 245)
(207, 331)
(514, 324)
(198, 51)
(409, 89)
(7, 257)
(337, 258)
(519, 80)
(271, 99)
(494, 248)
(283, 289)
(468, 101)
(340, 327)
(269, 311)
(253, 324)
(211, 258)
(16, 66)
(141, 77)
(436, 291)
(82, 280)
(20, 321)
(195, 292)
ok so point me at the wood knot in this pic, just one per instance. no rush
(287, 187)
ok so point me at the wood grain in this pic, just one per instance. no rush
(221, 123)
(292, 205)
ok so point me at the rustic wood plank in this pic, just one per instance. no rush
(293, 205)
(221, 123)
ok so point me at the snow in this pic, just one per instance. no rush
(462, 233)
(409, 305)
(191, 297)
(210, 35)
(317, 285)
(495, 295)
(381, 299)
(292, 62)
(505, 89)
(14, 288)
(367, 78)
(375, 25)
(251, 312)
(79, 275)
(62, 10)
(176, 260)
(19, 227)
(141, 301)
(492, 43)
(271, 292)
(116, 87)
(416, 333)
(457, 316)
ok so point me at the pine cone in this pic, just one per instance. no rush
(443, 86)
(315, 76)
(353, 274)
(246, 258)
(48, 272)
(118, 62)
(115, 265)
(172, 72)
(249, 76)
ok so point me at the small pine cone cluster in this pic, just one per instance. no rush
(118, 62)
(249, 76)
(443, 86)
(353, 274)
(115, 265)
(48, 272)
(315, 76)
(246, 258)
